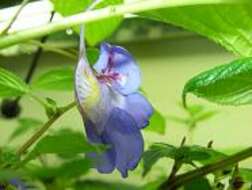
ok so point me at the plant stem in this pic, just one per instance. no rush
(176, 166)
(53, 49)
(44, 128)
(100, 14)
(37, 55)
(23, 4)
(210, 168)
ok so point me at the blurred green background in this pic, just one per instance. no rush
(166, 65)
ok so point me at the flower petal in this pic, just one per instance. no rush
(86, 85)
(124, 136)
(117, 66)
(92, 97)
(104, 162)
(139, 108)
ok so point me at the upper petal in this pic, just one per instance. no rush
(117, 67)
(124, 136)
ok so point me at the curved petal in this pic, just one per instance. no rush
(104, 162)
(117, 67)
(126, 139)
(139, 108)
(93, 98)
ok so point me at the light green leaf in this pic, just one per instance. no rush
(228, 84)
(154, 185)
(95, 32)
(59, 79)
(246, 174)
(98, 31)
(11, 85)
(25, 125)
(228, 25)
(157, 123)
(69, 7)
(64, 142)
(70, 169)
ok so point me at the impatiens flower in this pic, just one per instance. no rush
(113, 110)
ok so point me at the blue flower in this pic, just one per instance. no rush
(113, 110)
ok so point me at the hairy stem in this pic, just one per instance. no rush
(100, 14)
(219, 165)
(44, 128)
(23, 4)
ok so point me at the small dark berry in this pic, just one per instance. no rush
(10, 109)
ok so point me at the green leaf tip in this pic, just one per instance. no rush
(228, 84)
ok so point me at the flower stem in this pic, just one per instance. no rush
(210, 168)
(100, 14)
(44, 128)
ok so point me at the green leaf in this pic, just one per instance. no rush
(63, 142)
(7, 174)
(200, 183)
(184, 154)
(25, 125)
(98, 31)
(156, 152)
(246, 174)
(51, 107)
(11, 85)
(102, 185)
(58, 79)
(69, 7)
(70, 169)
(188, 154)
(95, 32)
(228, 84)
(217, 22)
(92, 55)
(157, 123)
(8, 157)
(154, 185)
(214, 156)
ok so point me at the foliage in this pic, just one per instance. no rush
(56, 160)
(157, 123)
(95, 32)
(217, 22)
(226, 84)
(11, 85)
